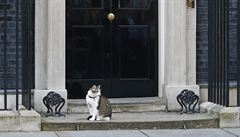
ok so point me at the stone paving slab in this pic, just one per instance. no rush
(234, 131)
(131, 133)
(188, 133)
(105, 133)
(28, 134)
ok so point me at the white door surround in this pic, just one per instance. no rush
(176, 50)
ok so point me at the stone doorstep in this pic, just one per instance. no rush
(229, 117)
(213, 123)
(122, 105)
(131, 120)
(22, 120)
(121, 108)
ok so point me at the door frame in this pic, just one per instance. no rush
(161, 46)
(46, 26)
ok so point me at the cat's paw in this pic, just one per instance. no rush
(92, 119)
(89, 117)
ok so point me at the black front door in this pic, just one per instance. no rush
(112, 43)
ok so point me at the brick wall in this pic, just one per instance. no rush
(10, 43)
(202, 40)
(233, 39)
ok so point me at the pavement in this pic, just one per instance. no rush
(230, 132)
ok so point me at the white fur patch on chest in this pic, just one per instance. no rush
(93, 102)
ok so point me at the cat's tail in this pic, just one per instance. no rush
(107, 118)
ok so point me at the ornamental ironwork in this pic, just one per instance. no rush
(188, 101)
(54, 101)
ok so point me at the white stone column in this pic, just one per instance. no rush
(176, 54)
(49, 50)
(41, 48)
(175, 42)
(191, 44)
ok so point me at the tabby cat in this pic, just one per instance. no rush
(98, 105)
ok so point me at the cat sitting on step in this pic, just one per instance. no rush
(98, 105)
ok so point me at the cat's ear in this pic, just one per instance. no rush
(94, 86)
(99, 86)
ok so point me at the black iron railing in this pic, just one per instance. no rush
(16, 50)
(218, 52)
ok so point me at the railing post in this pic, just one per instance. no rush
(226, 49)
(238, 53)
(5, 54)
(17, 54)
(27, 30)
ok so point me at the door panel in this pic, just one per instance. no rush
(121, 54)
(133, 52)
(135, 47)
(87, 52)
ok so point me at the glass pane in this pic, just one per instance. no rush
(87, 3)
(87, 53)
(134, 3)
(134, 52)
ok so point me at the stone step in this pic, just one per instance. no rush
(122, 105)
(131, 120)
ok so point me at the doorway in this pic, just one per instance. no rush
(113, 43)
